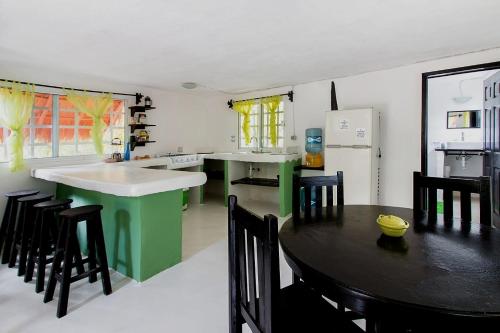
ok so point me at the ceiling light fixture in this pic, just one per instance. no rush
(189, 85)
(461, 99)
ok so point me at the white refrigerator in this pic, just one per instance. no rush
(352, 146)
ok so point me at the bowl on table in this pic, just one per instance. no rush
(392, 226)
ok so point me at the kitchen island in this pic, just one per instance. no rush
(142, 215)
(259, 177)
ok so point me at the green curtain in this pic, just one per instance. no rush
(96, 107)
(16, 105)
(272, 104)
(245, 108)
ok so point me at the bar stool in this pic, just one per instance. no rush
(44, 236)
(64, 254)
(9, 221)
(24, 225)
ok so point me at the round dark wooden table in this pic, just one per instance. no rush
(436, 275)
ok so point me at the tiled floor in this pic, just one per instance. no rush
(189, 297)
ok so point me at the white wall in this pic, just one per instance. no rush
(397, 94)
(188, 120)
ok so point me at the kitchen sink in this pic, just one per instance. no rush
(464, 145)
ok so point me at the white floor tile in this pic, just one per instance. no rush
(190, 297)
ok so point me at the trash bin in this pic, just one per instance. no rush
(185, 198)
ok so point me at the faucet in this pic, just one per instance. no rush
(257, 149)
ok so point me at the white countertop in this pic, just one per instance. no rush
(253, 157)
(127, 179)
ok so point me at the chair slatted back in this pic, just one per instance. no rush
(480, 186)
(316, 184)
(254, 277)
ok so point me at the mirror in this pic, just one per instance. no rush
(464, 119)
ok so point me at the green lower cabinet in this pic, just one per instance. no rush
(286, 186)
(143, 235)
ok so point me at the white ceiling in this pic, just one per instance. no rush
(238, 45)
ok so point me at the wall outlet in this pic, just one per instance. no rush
(293, 137)
(180, 149)
(233, 138)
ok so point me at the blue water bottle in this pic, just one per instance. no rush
(127, 152)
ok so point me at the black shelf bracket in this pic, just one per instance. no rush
(269, 182)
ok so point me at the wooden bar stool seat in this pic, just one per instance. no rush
(9, 221)
(65, 252)
(23, 231)
(44, 236)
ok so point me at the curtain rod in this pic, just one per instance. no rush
(138, 96)
(289, 94)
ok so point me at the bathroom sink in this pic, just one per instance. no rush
(464, 145)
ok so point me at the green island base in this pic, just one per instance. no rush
(143, 235)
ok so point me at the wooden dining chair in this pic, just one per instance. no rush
(255, 296)
(481, 186)
(316, 184)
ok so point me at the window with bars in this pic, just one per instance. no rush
(260, 136)
(74, 129)
(57, 129)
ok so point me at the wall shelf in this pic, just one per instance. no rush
(134, 143)
(133, 127)
(133, 138)
(139, 108)
(305, 167)
(257, 181)
(462, 152)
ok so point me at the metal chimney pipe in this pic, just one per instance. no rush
(334, 105)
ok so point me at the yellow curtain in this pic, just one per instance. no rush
(272, 103)
(244, 108)
(96, 107)
(16, 105)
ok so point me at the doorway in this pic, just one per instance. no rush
(460, 125)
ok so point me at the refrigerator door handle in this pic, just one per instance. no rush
(349, 146)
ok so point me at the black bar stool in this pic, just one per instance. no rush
(9, 221)
(64, 252)
(44, 236)
(24, 225)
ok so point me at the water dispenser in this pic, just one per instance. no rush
(314, 147)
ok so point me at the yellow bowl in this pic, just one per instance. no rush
(392, 225)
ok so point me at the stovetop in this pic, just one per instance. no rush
(172, 154)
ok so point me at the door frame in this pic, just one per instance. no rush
(440, 73)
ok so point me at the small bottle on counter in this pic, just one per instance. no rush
(127, 152)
